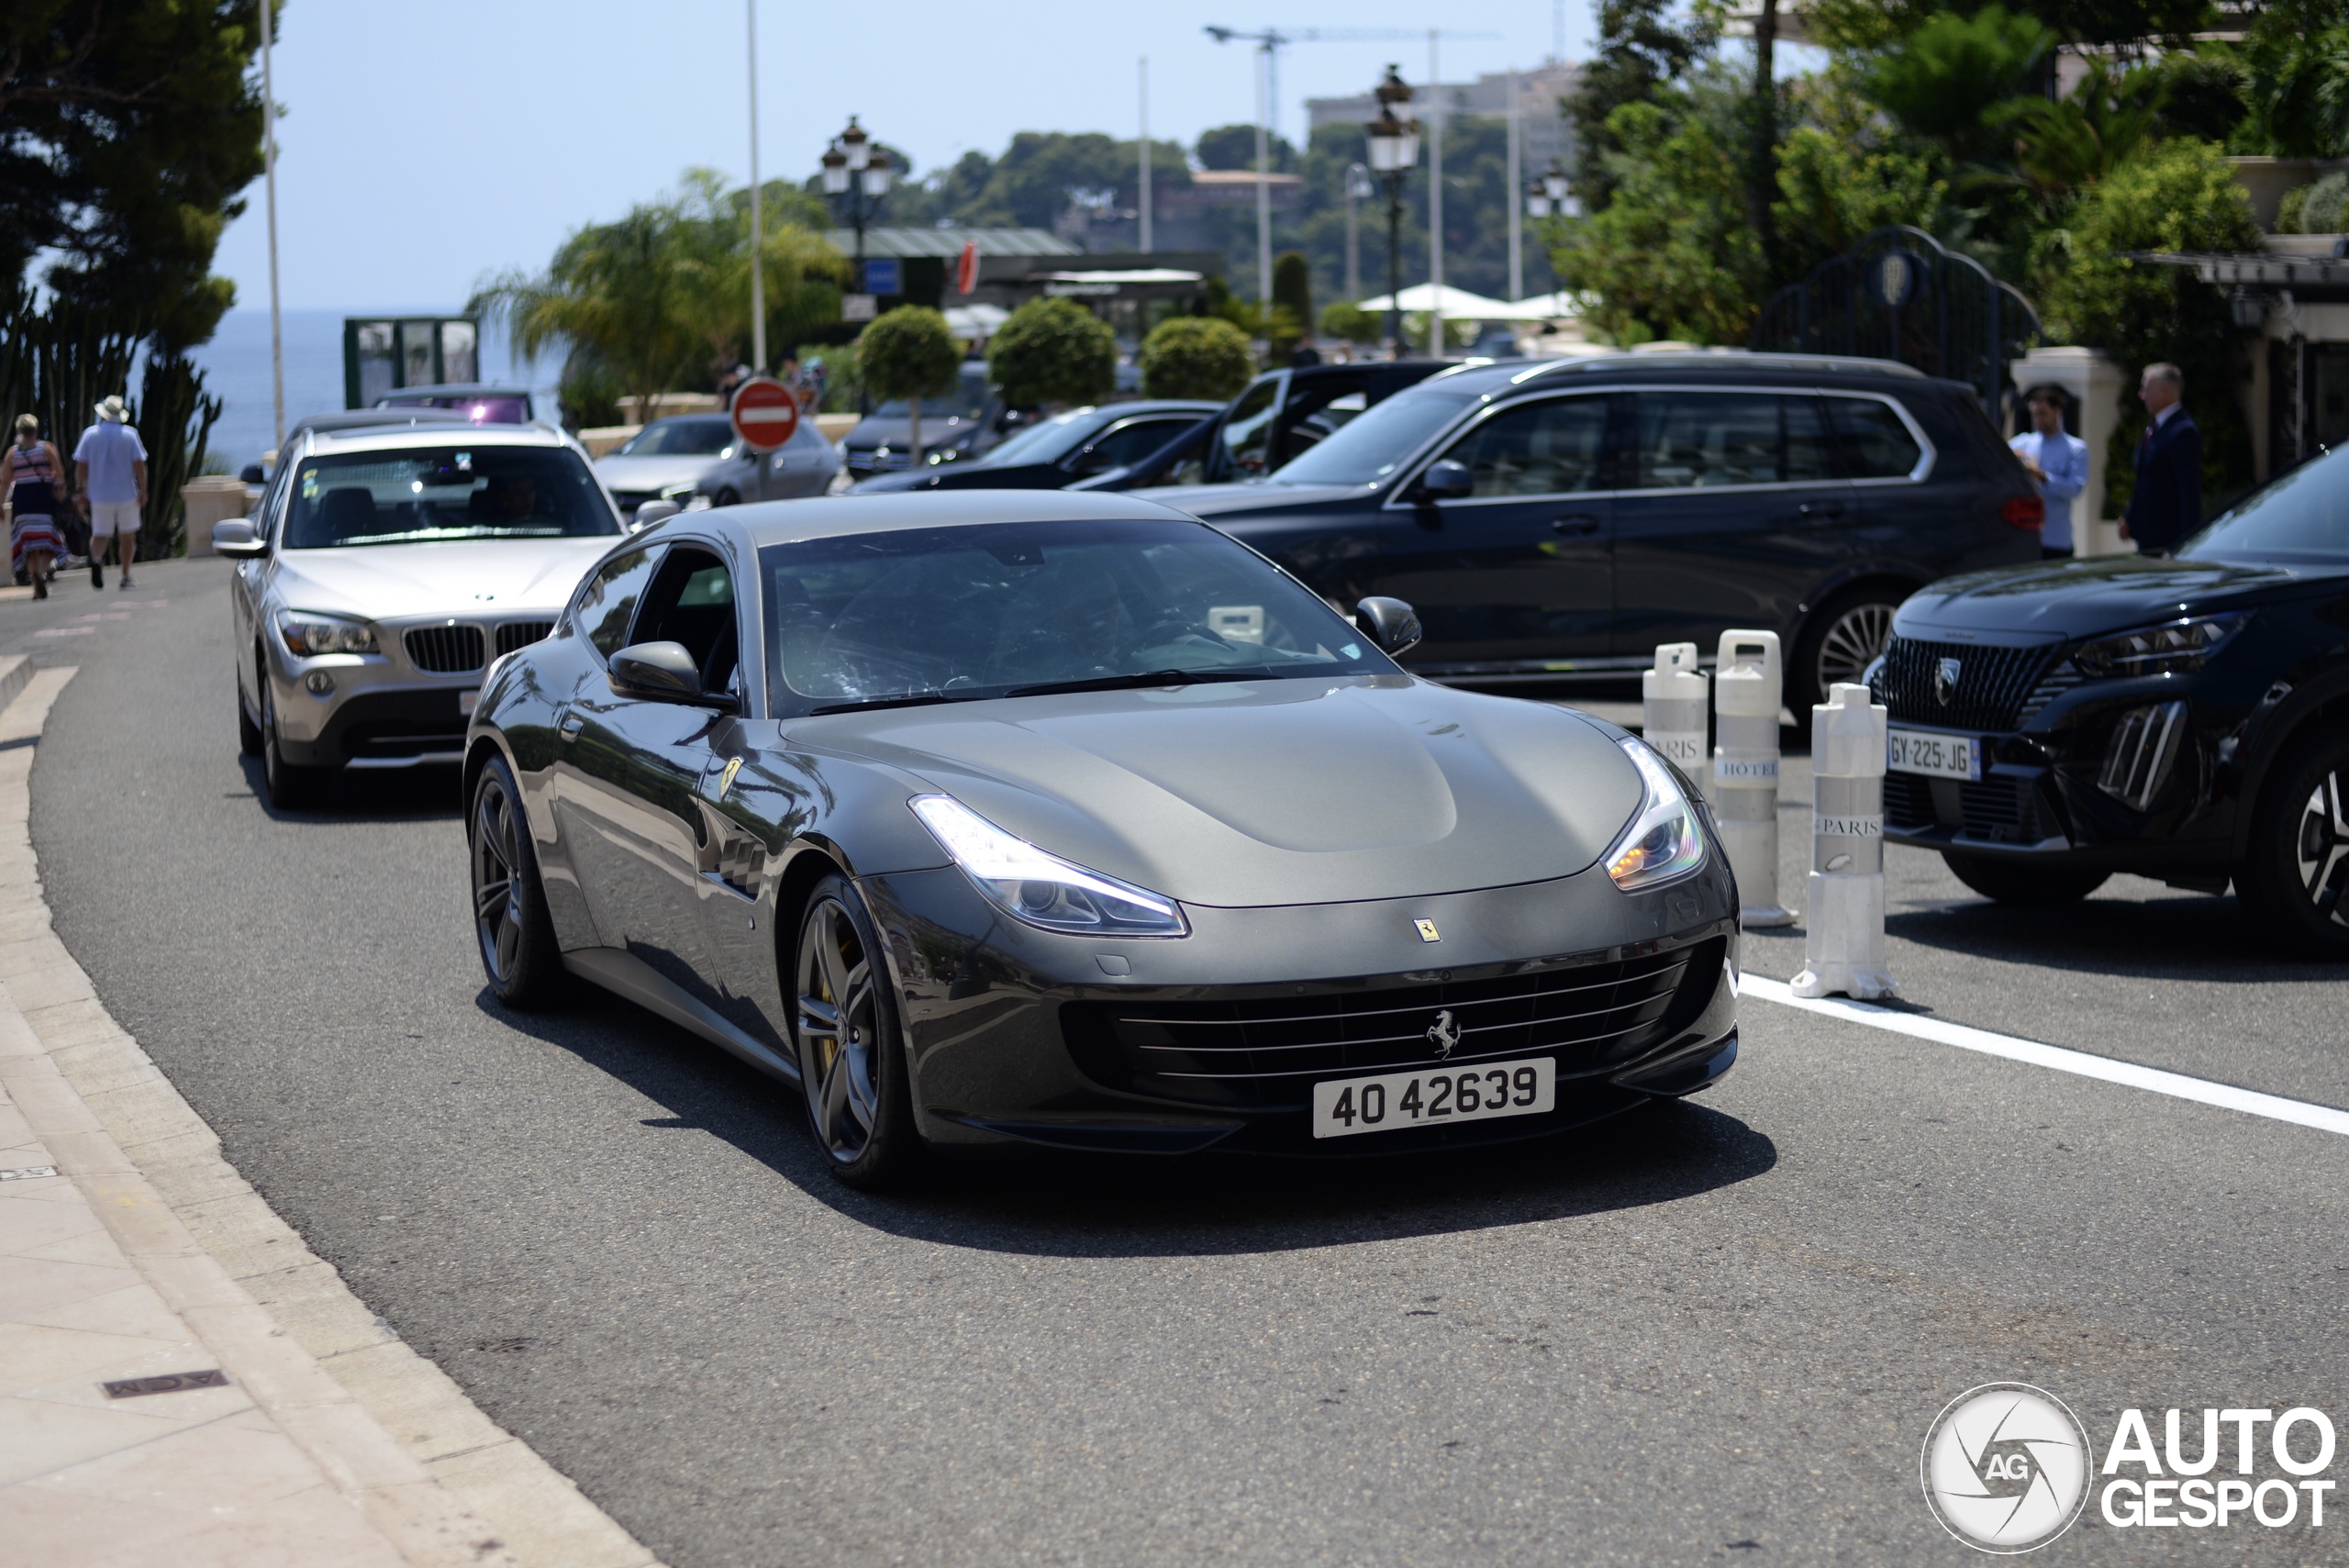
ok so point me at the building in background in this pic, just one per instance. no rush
(1542, 94)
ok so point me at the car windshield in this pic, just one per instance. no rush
(697, 436)
(2301, 516)
(1000, 609)
(1049, 440)
(967, 400)
(1374, 444)
(422, 493)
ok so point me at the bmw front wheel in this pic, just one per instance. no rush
(291, 785)
(852, 1052)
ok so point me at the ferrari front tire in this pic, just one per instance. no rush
(851, 1047)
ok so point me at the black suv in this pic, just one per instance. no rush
(2186, 719)
(1276, 416)
(1559, 518)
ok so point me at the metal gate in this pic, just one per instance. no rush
(1899, 295)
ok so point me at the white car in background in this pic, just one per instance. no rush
(382, 572)
(690, 456)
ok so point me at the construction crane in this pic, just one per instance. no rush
(1269, 42)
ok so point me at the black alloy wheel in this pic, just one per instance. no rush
(2296, 879)
(1842, 640)
(852, 1054)
(510, 920)
(290, 787)
(2020, 882)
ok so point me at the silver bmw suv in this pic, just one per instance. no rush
(382, 572)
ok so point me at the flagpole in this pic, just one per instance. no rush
(269, 166)
(758, 201)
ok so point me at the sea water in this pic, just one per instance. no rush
(236, 370)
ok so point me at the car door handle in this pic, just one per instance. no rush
(571, 724)
(1821, 508)
(1575, 523)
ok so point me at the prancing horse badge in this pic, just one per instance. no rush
(1427, 930)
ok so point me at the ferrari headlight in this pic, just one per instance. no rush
(2172, 649)
(309, 635)
(1663, 843)
(1043, 889)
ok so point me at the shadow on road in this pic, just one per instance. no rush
(1053, 1203)
(2185, 936)
(389, 795)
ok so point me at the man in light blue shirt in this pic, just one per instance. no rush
(2059, 463)
(111, 471)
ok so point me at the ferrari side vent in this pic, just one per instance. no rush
(445, 649)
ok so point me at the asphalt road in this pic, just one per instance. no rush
(1713, 1331)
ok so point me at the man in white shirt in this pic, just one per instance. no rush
(110, 467)
(2059, 463)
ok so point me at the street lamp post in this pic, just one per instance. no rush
(1358, 191)
(856, 180)
(1393, 151)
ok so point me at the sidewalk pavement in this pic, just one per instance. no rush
(182, 1381)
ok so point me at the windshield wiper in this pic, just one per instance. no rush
(923, 699)
(1129, 683)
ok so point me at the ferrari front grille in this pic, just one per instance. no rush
(1266, 1052)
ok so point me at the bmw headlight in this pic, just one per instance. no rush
(1663, 843)
(1043, 889)
(2171, 649)
(309, 635)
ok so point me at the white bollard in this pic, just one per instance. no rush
(1843, 948)
(1747, 686)
(1672, 694)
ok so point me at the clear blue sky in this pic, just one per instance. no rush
(430, 141)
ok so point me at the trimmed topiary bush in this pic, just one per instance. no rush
(1196, 356)
(1053, 352)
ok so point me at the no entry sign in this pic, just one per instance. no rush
(765, 413)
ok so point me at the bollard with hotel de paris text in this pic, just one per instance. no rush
(1844, 943)
(1747, 682)
(1673, 697)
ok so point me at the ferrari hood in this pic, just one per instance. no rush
(1278, 791)
(462, 577)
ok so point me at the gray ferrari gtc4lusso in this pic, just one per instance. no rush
(1011, 817)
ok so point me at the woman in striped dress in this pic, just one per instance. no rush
(35, 487)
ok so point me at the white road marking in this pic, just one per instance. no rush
(2178, 1085)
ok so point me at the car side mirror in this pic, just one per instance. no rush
(1447, 481)
(653, 512)
(252, 474)
(236, 540)
(1393, 625)
(663, 672)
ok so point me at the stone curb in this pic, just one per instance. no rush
(438, 1479)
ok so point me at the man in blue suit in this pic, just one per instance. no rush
(2167, 507)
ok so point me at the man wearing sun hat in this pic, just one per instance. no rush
(110, 467)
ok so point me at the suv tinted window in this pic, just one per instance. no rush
(1248, 433)
(1876, 445)
(1700, 439)
(609, 603)
(1537, 448)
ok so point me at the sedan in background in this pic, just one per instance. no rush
(1028, 817)
(383, 571)
(1060, 450)
(964, 424)
(2186, 719)
(666, 460)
